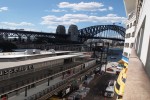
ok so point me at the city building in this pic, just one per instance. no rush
(60, 29)
(33, 74)
(73, 32)
(137, 49)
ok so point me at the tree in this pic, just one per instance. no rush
(7, 46)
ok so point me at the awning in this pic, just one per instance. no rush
(125, 59)
(121, 61)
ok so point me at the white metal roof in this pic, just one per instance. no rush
(4, 65)
(22, 54)
(110, 88)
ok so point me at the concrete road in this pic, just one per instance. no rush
(97, 87)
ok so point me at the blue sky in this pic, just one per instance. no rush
(46, 15)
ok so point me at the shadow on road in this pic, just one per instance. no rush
(98, 85)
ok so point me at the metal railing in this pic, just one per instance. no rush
(46, 93)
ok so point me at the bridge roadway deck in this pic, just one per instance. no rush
(9, 84)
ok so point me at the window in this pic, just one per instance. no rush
(130, 25)
(127, 45)
(127, 26)
(131, 45)
(119, 97)
(124, 80)
(125, 54)
(1, 73)
(133, 34)
(129, 35)
(134, 23)
(117, 86)
(126, 36)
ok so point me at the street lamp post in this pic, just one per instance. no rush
(107, 53)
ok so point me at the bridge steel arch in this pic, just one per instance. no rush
(103, 31)
(21, 33)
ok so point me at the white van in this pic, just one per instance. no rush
(109, 92)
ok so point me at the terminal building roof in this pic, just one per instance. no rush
(4, 65)
(22, 54)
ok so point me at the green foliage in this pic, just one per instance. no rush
(7, 46)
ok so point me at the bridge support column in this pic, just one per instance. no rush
(19, 38)
(48, 81)
(28, 39)
(90, 46)
(26, 91)
(1, 37)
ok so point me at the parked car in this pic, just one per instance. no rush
(113, 65)
(112, 57)
(110, 69)
(120, 68)
(117, 72)
(109, 92)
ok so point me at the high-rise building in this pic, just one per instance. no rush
(60, 29)
(73, 32)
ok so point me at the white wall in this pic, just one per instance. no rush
(145, 12)
(131, 39)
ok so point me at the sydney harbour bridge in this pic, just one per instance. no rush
(73, 35)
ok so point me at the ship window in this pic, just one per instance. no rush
(117, 86)
(1, 73)
(133, 34)
(130, 25)
(119, 97)
(134, 23)
(124, 80)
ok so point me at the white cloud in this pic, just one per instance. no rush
(111, 15)
(58, 10)
(93, 13)
(83, 6)
(14, 28)
(103, 9)
(69, 19)
(30, 29)
(110, 8)
(12, 24)
(3, 9)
